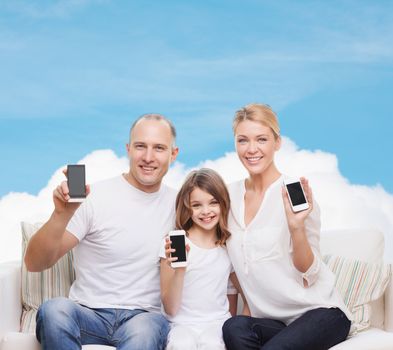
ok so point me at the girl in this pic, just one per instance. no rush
(194, 298)
(275, 252)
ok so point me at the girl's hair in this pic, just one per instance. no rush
(260, 113)
(209, 181)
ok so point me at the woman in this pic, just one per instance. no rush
(275, 252)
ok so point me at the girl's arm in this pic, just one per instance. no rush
(235, 281)
(171, 282)
(232, 298)
(171, 287)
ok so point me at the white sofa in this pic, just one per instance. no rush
(366, 245)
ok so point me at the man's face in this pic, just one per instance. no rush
(150, 151)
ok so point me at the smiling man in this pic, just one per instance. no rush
(115, 234)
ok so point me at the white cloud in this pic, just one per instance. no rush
(344, 205)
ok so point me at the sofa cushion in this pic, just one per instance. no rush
(359, 283)
(40, 286)
(366, 245)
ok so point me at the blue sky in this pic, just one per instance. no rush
(74, 74)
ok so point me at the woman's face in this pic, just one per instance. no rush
(255, 146)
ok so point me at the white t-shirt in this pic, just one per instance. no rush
(120, 229)
(204, 297)
(261, 256)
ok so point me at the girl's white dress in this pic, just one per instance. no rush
(204, 306)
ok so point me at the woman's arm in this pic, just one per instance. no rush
(304, 244)
(303, 255)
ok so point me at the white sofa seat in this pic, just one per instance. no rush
(11, 310)
(371, 339)
(28, 341)
(366, 245)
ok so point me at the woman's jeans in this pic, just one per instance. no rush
(317, 329)
(63, 324)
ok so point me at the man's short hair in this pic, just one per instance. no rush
(156, 116)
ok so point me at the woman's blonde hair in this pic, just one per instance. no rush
(260, 113)
(211, 182)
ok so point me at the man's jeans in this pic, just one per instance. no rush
(63, 324)
(318, 329)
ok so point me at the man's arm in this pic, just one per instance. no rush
(52, 240)
(49, 244)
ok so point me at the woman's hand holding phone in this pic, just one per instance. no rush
(296, 219)
(302, 255)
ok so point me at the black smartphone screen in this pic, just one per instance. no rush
(296, 193)
(76, 181)
(179, 243)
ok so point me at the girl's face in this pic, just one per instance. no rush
(255, 146)
(205, 209)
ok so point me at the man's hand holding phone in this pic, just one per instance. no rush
(63, 194)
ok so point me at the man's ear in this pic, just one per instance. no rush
(174, 153)
(128, 148)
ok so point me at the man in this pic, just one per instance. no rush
(116, 234)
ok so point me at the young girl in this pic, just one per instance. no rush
(195, 297)
(275, 252)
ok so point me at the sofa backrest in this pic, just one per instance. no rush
(362, 244)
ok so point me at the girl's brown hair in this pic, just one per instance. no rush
(209, 181)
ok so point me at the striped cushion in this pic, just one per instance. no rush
(40, 286)
(359, 283)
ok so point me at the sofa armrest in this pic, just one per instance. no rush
(389, 307)
(10, 297)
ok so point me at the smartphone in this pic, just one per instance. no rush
(296, 195)
(76, 179)
(178, 239)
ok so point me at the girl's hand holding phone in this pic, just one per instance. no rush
(169, 250)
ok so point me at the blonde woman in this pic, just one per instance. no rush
(275, 252)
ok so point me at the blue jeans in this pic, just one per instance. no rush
(63, 324)
(318, 329)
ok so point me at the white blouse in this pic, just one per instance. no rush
(261, 257)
